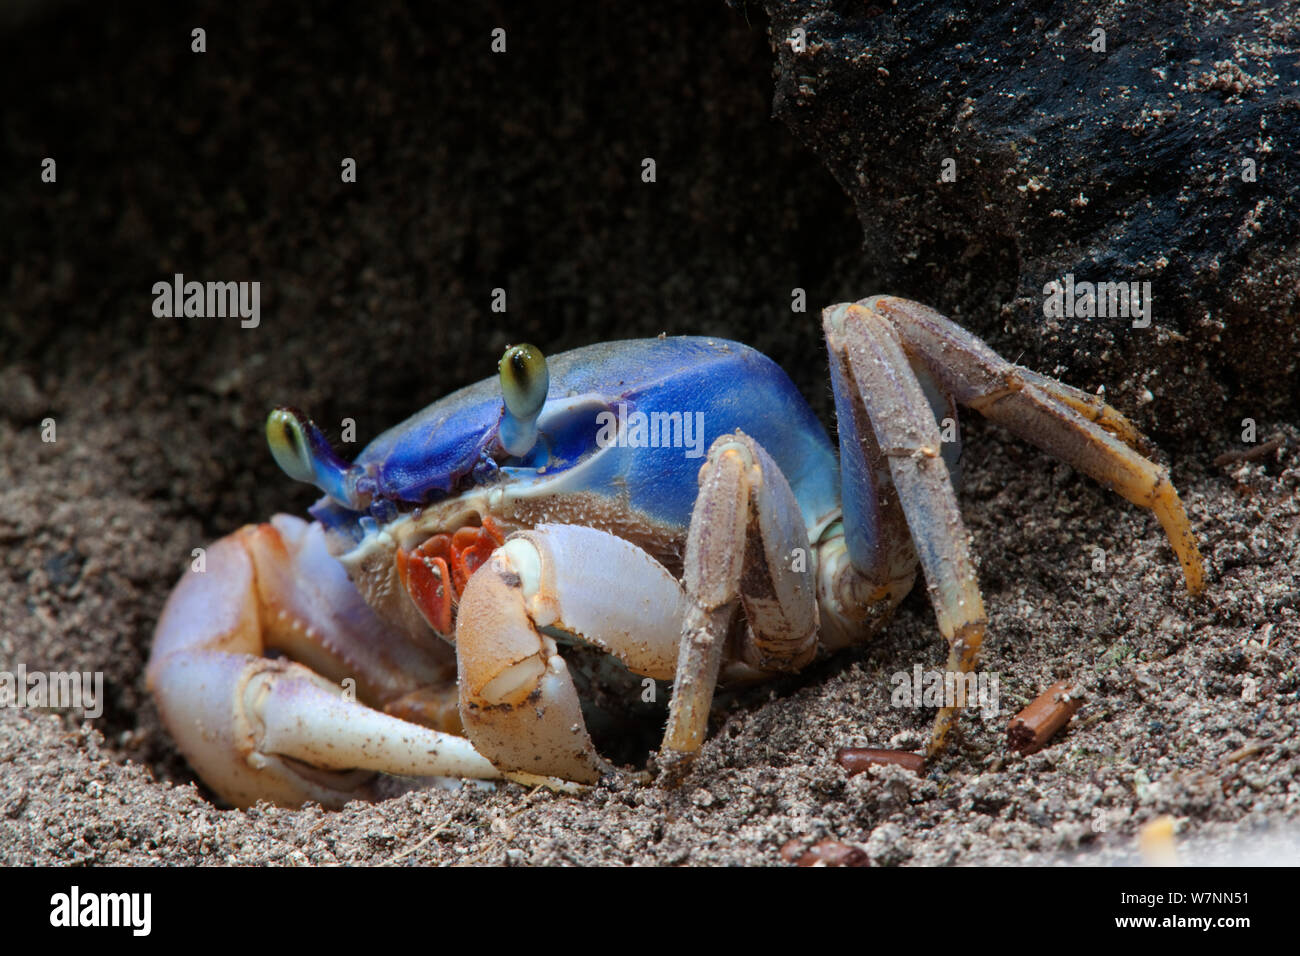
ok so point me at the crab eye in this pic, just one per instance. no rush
(304, 454)
(524, 380)
(524, 383)
(287, 437)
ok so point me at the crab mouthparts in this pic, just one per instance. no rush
(436, 572)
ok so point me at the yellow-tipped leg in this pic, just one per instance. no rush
(1080, 430)
(903, 428)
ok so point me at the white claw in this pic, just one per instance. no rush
(518, 700)
(309, 719)
(256, 728)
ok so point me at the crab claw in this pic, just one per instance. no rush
(255, 727)
(517, 698)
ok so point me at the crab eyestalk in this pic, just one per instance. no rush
(304, 454)
(524, 383)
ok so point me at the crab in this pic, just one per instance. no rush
(672, 503)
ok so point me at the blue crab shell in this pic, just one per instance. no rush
(447, 449)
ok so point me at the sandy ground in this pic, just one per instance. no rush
(376, 302)
(1166, 729)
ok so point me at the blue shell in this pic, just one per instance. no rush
(444, 449)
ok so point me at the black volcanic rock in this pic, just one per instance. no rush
(1123, 165)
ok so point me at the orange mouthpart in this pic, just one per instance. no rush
(435, 573)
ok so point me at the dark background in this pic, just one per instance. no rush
(522, 171)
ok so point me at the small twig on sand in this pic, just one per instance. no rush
(857, 759)
(1249, 454)
(411, 849)
(825, 853)
(1033, 727)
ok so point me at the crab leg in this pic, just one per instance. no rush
(903, 432)
(744, 546)
(1085, 433)
(517, 697)
(261, 728)
(884, 348)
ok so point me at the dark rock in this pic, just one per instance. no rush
(1123, 165)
